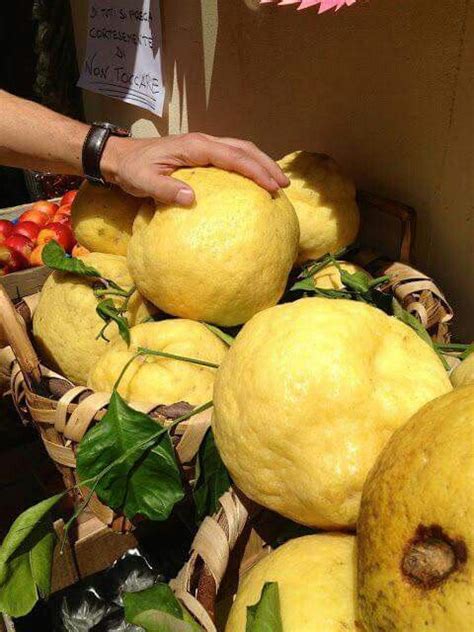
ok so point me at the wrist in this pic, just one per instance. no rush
(109, 162)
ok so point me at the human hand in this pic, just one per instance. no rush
(143, 167)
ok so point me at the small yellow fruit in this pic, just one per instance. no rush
(156, 379)
(308, 395)
(329, 278)
(416, 525)
(102, 218)
(316, 585)
(65, 323)
(464, 373)
(224, 259)
(324, 200)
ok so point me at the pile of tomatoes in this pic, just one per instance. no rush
(22, 241)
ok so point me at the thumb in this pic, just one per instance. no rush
(169, 190)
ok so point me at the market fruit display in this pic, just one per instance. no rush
(158, 379)
(316, 584)
(324, 200)
(222, 260)
(329, 278)
(102, 218)
(66, 324)
(464, 373)
(416, 526)
(308, 395)
(22, 239)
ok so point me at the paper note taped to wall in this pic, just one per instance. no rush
(123, 56)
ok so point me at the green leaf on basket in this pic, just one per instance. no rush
(134, 463)
(55, 257)
(467, 352)
(411, 321)
(357, 281)
(26, 557)
(229, 340)
(212, 478)
(107, 310)
(156, 609)
(265, 615)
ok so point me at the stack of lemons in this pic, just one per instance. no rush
(312, 395)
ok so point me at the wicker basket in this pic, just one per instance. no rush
(62, 412)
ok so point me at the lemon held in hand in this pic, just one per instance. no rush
(308, 395)
(102, 218)
(316, 585)
(66, 324)
(220, 261)
(416, 526)
(324, 200)
(156, 379)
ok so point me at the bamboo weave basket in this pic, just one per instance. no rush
(62, 412)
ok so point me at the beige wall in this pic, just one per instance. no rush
(386, 87)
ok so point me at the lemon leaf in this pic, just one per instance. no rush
(411, 321)
(54, 256)
(135, 465)
(264, 616)
(108, 312)
(26, 557)
(213, 480)
(156, 609)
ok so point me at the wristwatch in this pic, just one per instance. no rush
(93, 149)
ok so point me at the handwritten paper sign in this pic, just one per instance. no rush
(123, 57)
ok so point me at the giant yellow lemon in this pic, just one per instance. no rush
(464, 373)
(65, 323)
(156, 379)
(416, 525)
(102, 218)
(220, 261)
(324, 200)
(307, 397)
(316, 585)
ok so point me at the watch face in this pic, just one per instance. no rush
(114, 129)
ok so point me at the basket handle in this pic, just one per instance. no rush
(406, 215)
(16, 336)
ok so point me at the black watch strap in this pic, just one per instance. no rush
(93, 149)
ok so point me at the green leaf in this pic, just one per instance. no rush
(28, 571)
(357, 281)
(156, 609)
(303, 285)
(411, 321)
(212, 479)
(18, 595)
(157, 621)
(55, 257)
(467, 352)
(41, 561)
(22, 529)
(142, 480)
(108, 312)
(265, 615)
(229, 340)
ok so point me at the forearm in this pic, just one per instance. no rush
(33, 137)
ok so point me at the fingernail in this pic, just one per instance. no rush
(274, 184)
(185, 197)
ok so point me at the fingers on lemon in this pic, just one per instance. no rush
(223, 259)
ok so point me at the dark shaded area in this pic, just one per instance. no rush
(17, 75)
